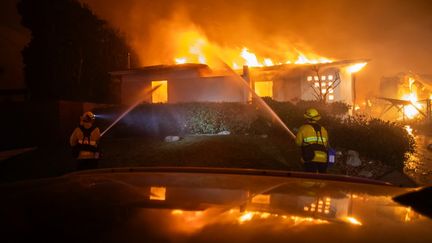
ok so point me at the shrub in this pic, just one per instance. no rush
(376, 139)
(212, 118)
(185, 118)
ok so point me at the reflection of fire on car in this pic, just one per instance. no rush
(208, 205)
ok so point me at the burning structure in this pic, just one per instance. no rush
(197, 70)
(330, 82)
(409, 93)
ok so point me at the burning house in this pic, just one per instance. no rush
(330, 81)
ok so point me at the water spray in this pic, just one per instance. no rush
(259, 99)
(144, 96)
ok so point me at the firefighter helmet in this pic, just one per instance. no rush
(88, 117)
(312, 114)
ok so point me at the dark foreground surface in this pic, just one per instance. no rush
(160, 205)
(232, 151)
(210, 151)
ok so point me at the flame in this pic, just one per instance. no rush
(246, 217)
(180, 60)
(353, 221)
(411, 82)
(268, 62)
(303, 59)
(410, 111)
(409, 129)
(250, 58)
(191, 46)
(356, 67)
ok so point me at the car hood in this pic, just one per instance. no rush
(169, 204)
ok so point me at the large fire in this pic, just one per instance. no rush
(193, 47)
(411, 111)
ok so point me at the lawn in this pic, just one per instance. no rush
(275, 153)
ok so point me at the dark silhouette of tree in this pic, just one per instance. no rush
(71, 51)
(320, 87)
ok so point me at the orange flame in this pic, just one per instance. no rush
(411, 111)
(356, 67)
(194, 47)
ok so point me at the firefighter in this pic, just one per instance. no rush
(85, 142)
(313, 141)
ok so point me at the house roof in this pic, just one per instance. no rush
(339, 64)
(161, 69)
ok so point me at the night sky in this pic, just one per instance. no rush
(395, 34)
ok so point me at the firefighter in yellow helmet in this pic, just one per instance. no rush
(85, 142)
(313, 140)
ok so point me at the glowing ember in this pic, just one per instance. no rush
(356, 67)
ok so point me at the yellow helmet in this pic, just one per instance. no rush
(312, 114)
(88, 117)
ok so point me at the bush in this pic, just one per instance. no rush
(185, 118)
(373, 138)
(212, 118)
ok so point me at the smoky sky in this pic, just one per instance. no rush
(394, 34)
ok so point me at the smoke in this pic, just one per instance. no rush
(395, 34)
